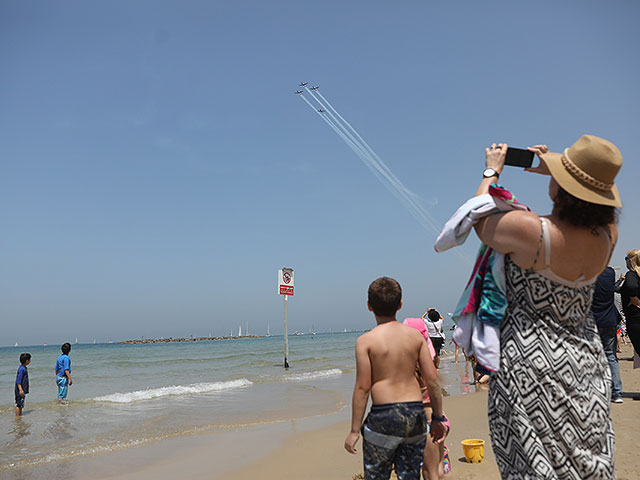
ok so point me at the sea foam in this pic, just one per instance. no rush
(332, 372)
(173, 390)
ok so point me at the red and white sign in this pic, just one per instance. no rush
(285, 281)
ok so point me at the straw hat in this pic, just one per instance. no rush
(587, 169)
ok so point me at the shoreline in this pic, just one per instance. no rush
(312, 447)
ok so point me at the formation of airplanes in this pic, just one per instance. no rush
(304, 84)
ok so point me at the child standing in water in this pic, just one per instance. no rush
(63, 372)
(22, 382)
(394, 433)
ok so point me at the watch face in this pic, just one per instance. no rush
(490, 172)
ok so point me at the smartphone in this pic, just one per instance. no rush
(518, 157)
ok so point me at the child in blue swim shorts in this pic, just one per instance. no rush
(63, 372)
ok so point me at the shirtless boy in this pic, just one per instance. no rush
(394, 432)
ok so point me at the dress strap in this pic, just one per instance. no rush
(607, 234)
(535, 260)
(547, 243)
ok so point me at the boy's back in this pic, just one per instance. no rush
(393, 350)
(386, 358)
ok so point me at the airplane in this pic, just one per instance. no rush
(298, 92)
(322, 110)
(304, 84)
(315, 88)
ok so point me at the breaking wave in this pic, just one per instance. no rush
(173, 390)
(333, 372)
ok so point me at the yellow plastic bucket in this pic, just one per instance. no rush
(473, 450)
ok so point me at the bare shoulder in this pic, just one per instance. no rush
(509, 232)
(365, 340)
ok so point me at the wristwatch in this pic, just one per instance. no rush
(436, 418)
(490, 172)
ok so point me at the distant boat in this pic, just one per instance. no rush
(16, 344)
(94, 341)
(268, 332)
(76, 342)
(240, 331)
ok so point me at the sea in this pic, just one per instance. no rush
(125, 395)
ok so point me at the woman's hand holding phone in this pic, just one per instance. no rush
(542, 167)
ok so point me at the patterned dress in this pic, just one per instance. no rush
(549, 403)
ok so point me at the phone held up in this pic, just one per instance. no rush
(519, 157)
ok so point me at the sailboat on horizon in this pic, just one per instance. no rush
(16, 344)
(76, 342)
(268, 332)
(240, 331)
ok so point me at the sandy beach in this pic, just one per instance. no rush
(311, 448)
(319, 455)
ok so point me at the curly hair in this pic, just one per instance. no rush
(580, 213)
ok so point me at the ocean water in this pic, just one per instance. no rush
(128, 395)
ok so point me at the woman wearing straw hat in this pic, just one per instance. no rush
(549, 409)
(630, 292)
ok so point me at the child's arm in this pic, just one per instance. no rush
(430, 377)
(360, 394)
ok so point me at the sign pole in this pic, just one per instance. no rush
(285, 287)
(286, 333)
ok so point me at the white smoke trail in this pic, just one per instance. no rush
(423, 216)
(370, 163)
(375, 164)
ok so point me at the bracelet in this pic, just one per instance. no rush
(435, 418)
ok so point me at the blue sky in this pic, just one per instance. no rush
(156, 168)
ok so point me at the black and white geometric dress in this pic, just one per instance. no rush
(549, 403)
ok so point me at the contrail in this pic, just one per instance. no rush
(416, 209)
(399, 191)
(374, 163)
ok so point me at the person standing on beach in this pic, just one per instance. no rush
(630, 292)
(63, 372)
(549, 402)
(433, 320)
(607, 318)
(22, 382)
(394, 433)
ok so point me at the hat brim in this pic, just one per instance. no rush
(576, 187)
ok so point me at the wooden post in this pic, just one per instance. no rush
(286, 333)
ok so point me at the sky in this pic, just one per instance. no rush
(157, 169)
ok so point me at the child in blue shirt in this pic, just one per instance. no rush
(22, 382)
(63, 372)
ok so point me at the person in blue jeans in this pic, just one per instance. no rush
(63, 372)
(22, 382)
(607, 318)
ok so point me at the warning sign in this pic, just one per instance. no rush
(285, 281)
